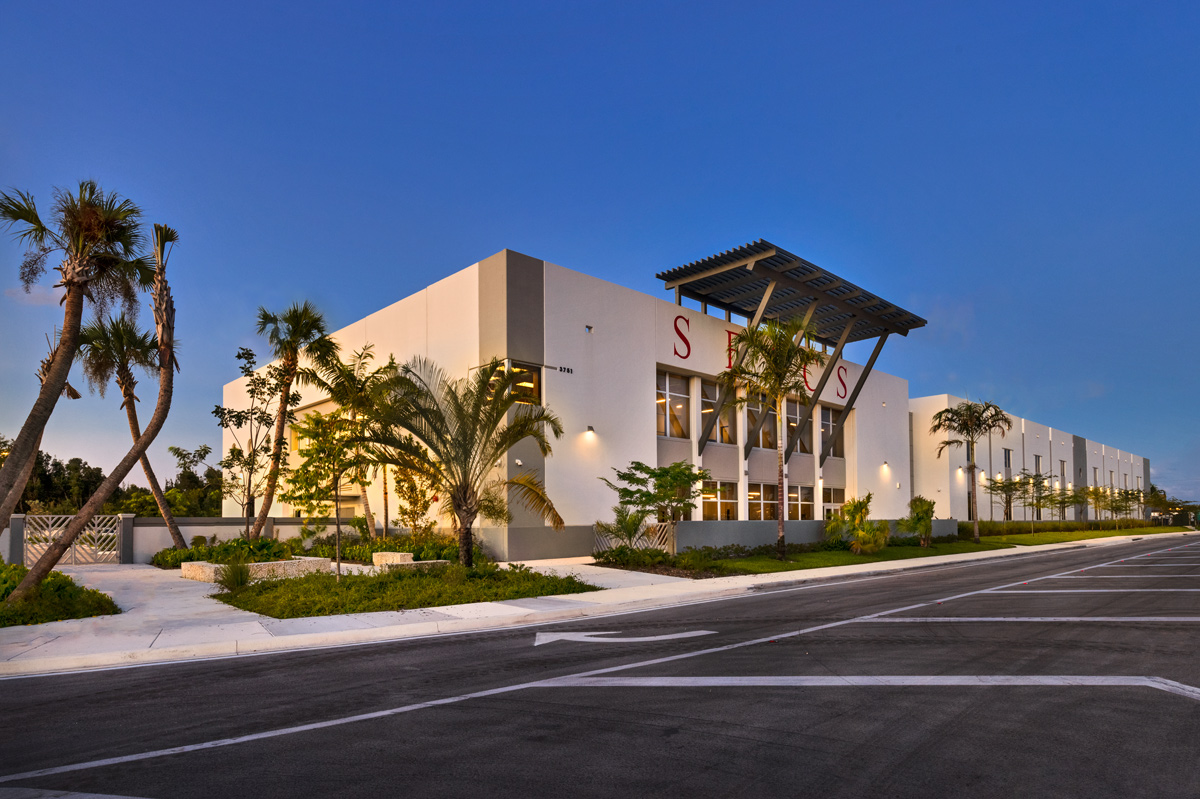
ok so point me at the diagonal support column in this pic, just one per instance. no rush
(723, 392)
(827, 446)
(816, 394)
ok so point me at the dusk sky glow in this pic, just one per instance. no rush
(1022, 175)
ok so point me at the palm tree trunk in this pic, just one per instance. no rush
(385, 502)
(14, 497)
(337, 525)
(780, 544)
(27, 442)
(285, 395)
(155, 488)
(362, 487)
(974, 510)
(164, 313)
(465, 522)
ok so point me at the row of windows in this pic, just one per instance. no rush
(719, 501)
(673, 401)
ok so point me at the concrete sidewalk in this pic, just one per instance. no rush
(167, 618)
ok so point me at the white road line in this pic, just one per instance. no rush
(1096, 591)
(491, 692)
(872, 681)
(1122, 576)
(1071, 619)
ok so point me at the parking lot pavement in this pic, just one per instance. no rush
(1073, 675)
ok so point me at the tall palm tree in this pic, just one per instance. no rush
(112, 350)
(299, 331)
(164, 328)
(9, 503)
(354, 386)
(777, 357)
(457, 432)
(969, 422)
(99, 236)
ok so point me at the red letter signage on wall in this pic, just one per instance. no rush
(729, 347)
(687, 344)
(842, 381)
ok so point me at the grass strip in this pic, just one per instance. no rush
(763, 564)
(398, 589)
(1033, 539)
(56, 599)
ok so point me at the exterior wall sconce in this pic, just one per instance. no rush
(591, 429)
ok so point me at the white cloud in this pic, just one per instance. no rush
(37, 295)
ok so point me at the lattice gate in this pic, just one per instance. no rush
(657, 536)
(100, 541)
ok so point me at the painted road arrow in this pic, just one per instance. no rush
(545, 638)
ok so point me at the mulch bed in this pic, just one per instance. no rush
(669, 571)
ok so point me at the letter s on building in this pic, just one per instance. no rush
(687, 345)
(842, 382)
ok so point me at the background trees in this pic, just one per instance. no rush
(967, 423)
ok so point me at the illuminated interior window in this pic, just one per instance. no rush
(766, 434)
(719, 501)
(671, 404)
(800, 503)
(763, 501)
(529, 383)
(829, 418)
(725, 430)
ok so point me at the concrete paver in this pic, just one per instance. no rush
(167, 618)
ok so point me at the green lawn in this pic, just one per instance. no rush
(816, 560)
(1033, 539)
(399, 589)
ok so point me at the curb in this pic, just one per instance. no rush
(310, 641)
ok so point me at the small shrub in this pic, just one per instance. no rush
(233, 575)
(869, 537)
(631, 557)
(919, 521)
(628, 526)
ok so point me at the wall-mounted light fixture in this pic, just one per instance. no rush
(591, 429)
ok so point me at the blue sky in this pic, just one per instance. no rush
(1023, 175)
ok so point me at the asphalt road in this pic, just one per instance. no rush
(1055, 674)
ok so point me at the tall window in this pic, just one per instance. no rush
(1008, 459)
(800, 502)
(766, 434)
(1111, 480)
(764, 501)
(834, 499)
(829, 418)
(1062, 473)
(672, 403)
(529, 383)
(719, 501)
(794, 409)
(1096, 475)
(725, 430)
(1037, 464)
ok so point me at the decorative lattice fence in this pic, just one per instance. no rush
(657, 536)
(100, 541)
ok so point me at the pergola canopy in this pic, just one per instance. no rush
(738, 281)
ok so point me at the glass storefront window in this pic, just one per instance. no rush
(763, 501)
(719, 501)
(672, 404)
(725, 430)
(834, 498)
(800, 503)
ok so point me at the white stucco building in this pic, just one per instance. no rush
(631, 377)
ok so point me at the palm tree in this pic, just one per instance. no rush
(164, 324)
(457, 432)
(112, 350)
(354, 387)
(968, 422)
(9, 503)
(300, 331)
(99, 236)
(775, 362)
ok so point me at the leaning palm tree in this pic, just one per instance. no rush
(777, 356)
(968, 422)
(298, 332)
(164, 324)
(456, 432)
(112, 350)
(99, 236)
(9, 503)
(354, 387)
